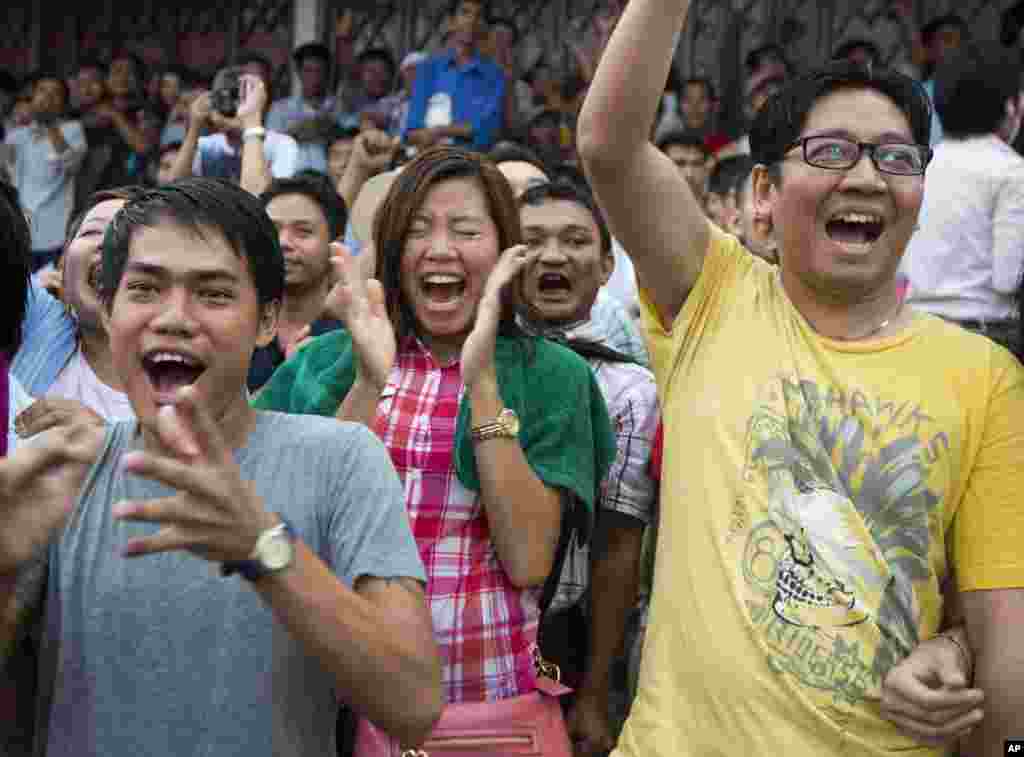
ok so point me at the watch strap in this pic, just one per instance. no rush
(252, 569)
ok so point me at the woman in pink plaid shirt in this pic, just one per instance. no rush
(433, 361)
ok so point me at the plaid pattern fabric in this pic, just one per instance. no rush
(484, 626)
(631, 395)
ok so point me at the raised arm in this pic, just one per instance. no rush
(256, 176)
(199, 115)
(649, 206)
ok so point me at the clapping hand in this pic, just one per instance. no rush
(215, 514)
(359, 304)
(478, 350)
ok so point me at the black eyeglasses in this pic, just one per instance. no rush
(841, 154)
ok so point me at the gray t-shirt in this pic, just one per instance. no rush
(160, 655)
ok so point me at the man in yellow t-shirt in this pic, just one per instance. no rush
(837, 466)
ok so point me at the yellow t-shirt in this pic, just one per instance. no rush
(816, 494)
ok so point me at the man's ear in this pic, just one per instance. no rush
(269, 314)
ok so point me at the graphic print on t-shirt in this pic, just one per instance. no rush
(830, 568)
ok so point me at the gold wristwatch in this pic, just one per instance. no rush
(506, 426)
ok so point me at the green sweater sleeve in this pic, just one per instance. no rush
(315, 380)
(565, 430)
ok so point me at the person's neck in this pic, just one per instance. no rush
(444, 351)
(876, 314)
(300, 307)
(95, 348)
(464, 53)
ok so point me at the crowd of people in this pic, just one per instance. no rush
(444, 407)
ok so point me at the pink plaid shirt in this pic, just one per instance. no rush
(484, 626)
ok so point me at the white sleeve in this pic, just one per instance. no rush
(283, 156)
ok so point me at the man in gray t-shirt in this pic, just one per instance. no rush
(150, 645)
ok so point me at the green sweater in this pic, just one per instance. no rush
(565, 431)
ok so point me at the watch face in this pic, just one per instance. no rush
(277, 552)
(511, 421)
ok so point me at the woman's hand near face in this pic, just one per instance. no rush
(359, 304)
(478, 351)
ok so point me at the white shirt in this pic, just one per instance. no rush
(79, 382)
(218, 158)
(965, 260)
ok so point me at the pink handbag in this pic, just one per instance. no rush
(530, 725)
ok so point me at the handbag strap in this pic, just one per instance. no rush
(547, 595)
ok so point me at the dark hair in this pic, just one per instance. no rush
(249, 56)
(507, 152)
(202, 206)
(485, 6)
(127, 194)
(709, 87)
(764, 53)
(570, 192)
(311, 50)
(1011, 24)
(141, 72)
(93, 63)
(729, 173)
(16, 242)
(847, 48)
(972, 87)
(778, 124)
(8, 82)
(318, 189)
(404, 199)
(508, 23)
(378, 53)
(681, 138)
(929, 30)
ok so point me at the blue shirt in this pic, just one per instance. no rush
(446, 94)
(49, 338)
(44, 179)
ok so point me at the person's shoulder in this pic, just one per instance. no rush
(281, 103)
(550, 358)
(971, 350)
(317, 440)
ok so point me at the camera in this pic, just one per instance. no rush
(226, 93)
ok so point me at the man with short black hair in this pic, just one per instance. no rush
(44, 158)
(966, 260)
(309, 215)
(307, 115)
(839, 469)
(693, 159)
(458, 97)
(239, 565)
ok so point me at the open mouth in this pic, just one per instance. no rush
(554, 284)
(855, 228)
(169, 371)
(443, 288)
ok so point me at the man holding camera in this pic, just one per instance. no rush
(44, 157)
(240, 148)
